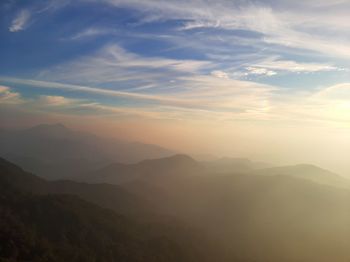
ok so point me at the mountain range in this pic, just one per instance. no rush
(269, 214)
(307, 171)
(171, 208)
(176, 166)
(44, 221)
(55, 151)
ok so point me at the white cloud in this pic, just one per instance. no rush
(97, 91)
(20, 21)
(55, 100)
(312, 25)
(113, 64)
(293, 66)
(198, 93)
(9, 97)
(206, 98)
(192, 86)
(26, 16)
(259, 71)
(274, 65)
(220, 74)
(335, 93)
(92, 32)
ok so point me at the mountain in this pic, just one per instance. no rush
(309, 172)
(108, 196)
(61, 227)
(232, 165)
(257, 217)
(55, 151)
(272, 214)
(151, 169)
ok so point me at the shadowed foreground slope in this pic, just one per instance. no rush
(65, 228)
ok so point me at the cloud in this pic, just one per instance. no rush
(252, 70)
(209, 99)
(9, 97)
(92, 32)
(55, 100)
(207, 93)
(219, 74)
(20, 22)
(181, 83)
(335, 93)
(275, 64)
(97, 91)
(114, 65)
(312, 25)
(65, 105)
(33, 11)
(51, 104)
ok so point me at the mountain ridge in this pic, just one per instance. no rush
(118, 173)
(61, 227)
(49, 149)
(308, 172)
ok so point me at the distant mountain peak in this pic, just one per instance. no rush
(177, 158)
(156, 169)
(307, 171)
(181, 157)
(56, 130)
(311, 166)
(307, 167)
(55, 126)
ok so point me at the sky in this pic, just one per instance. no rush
(267, 80)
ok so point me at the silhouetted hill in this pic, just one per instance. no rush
(55, 151)
(52, 227)
(109, 196)
(152, 169)
(274, 215)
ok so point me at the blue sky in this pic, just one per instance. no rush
(276, 62)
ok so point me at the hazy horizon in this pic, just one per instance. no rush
(276, 156)
(266, 80)
(175, 130)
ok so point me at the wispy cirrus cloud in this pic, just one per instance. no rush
(209, 99)
(200, 92)
(274, 65)
(235, 38)
(20, 21)
(307, 26)
(293, 66)
(92, 32)
(114, 64)
(24, 17)
(85, 89)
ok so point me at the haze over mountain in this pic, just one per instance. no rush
(174, 131)
(30, 206)
(178, 166)
(276, 216)
(309, 172)
(55, 151)
(156, 169)
(229, 165)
